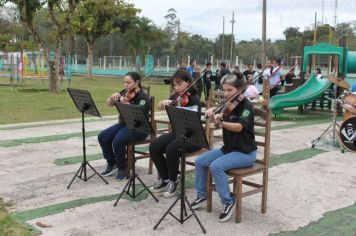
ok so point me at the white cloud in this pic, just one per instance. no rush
(205, 17)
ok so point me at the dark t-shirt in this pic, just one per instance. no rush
(142, 99)
(223, 72)
(243, 141)
(289, 78)
(246, 73)
(207, 77)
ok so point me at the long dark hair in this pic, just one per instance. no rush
(183, 75)
(135, 77)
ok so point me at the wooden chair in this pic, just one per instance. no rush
(164, 120)
(142, 154)
(216, 98)
(262, 120)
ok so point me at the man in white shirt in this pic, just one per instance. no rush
(275, 77)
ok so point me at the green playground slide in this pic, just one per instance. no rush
(308, 92)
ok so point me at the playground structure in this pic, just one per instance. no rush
(22, 66)
(313, 87)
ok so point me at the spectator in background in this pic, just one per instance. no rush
(251, 91)
(199, 83)
(223, 71)
(318, 73)
(207, 80)
(288, 78)
(353, 88)
(236, 69)
(190, 69)
(259, 79)
(249, 71)
(275, 77)
(183, 65)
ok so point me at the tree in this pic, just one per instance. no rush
(96, 18)
(292, 32)
(218, 46)
(60, 13)
(142, 36)
(200, 48)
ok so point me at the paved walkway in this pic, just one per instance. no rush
(311, 191)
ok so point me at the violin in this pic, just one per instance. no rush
(231, 105)
(186, 97)
(228, 108)
(129, 94)
(180, 100)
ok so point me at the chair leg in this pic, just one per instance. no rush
(238, 191)
(264, 193)
(209, 199)
(150, 166)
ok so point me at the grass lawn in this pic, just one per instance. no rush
(32, 102)
(9, 226)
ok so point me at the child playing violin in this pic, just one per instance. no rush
(164, 149)
(238, 150)
(114, 139)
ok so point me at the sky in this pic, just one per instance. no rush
(206, 17)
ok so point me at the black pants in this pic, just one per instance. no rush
(207, 87)
(273, 91)
(168, 144)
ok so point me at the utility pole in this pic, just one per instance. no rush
(232, 37)
(335, 17)
(178, 44)
(264, 12)
(315, 28)
(322, 15)
(222, 40)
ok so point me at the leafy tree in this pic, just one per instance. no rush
(200, 48)
(249, 51)
(218, 46)
(95, 18)
(292, 32)
(60, 13)
(172, 24)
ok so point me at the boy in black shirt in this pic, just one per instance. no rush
(238, 151)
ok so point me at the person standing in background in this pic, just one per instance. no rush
(191, 68)
(207, 80)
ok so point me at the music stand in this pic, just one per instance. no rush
(333, 125)
(85, 104)
(135, 119)
(186, 125)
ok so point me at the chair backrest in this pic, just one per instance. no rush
(262, 126)
(216, 98)
(147, 90)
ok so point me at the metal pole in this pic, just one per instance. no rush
(232, 37)
(264, 11)
(222, 40)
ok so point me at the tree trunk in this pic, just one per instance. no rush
(53, 75)
(90, 59)
(53, 68)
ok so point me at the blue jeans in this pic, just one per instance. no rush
(219, 163)
(113, 141)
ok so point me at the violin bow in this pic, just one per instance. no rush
(245, 87)
(189, 86)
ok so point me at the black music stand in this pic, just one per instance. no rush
(187, 126)
(85, 104)
(135, 119)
